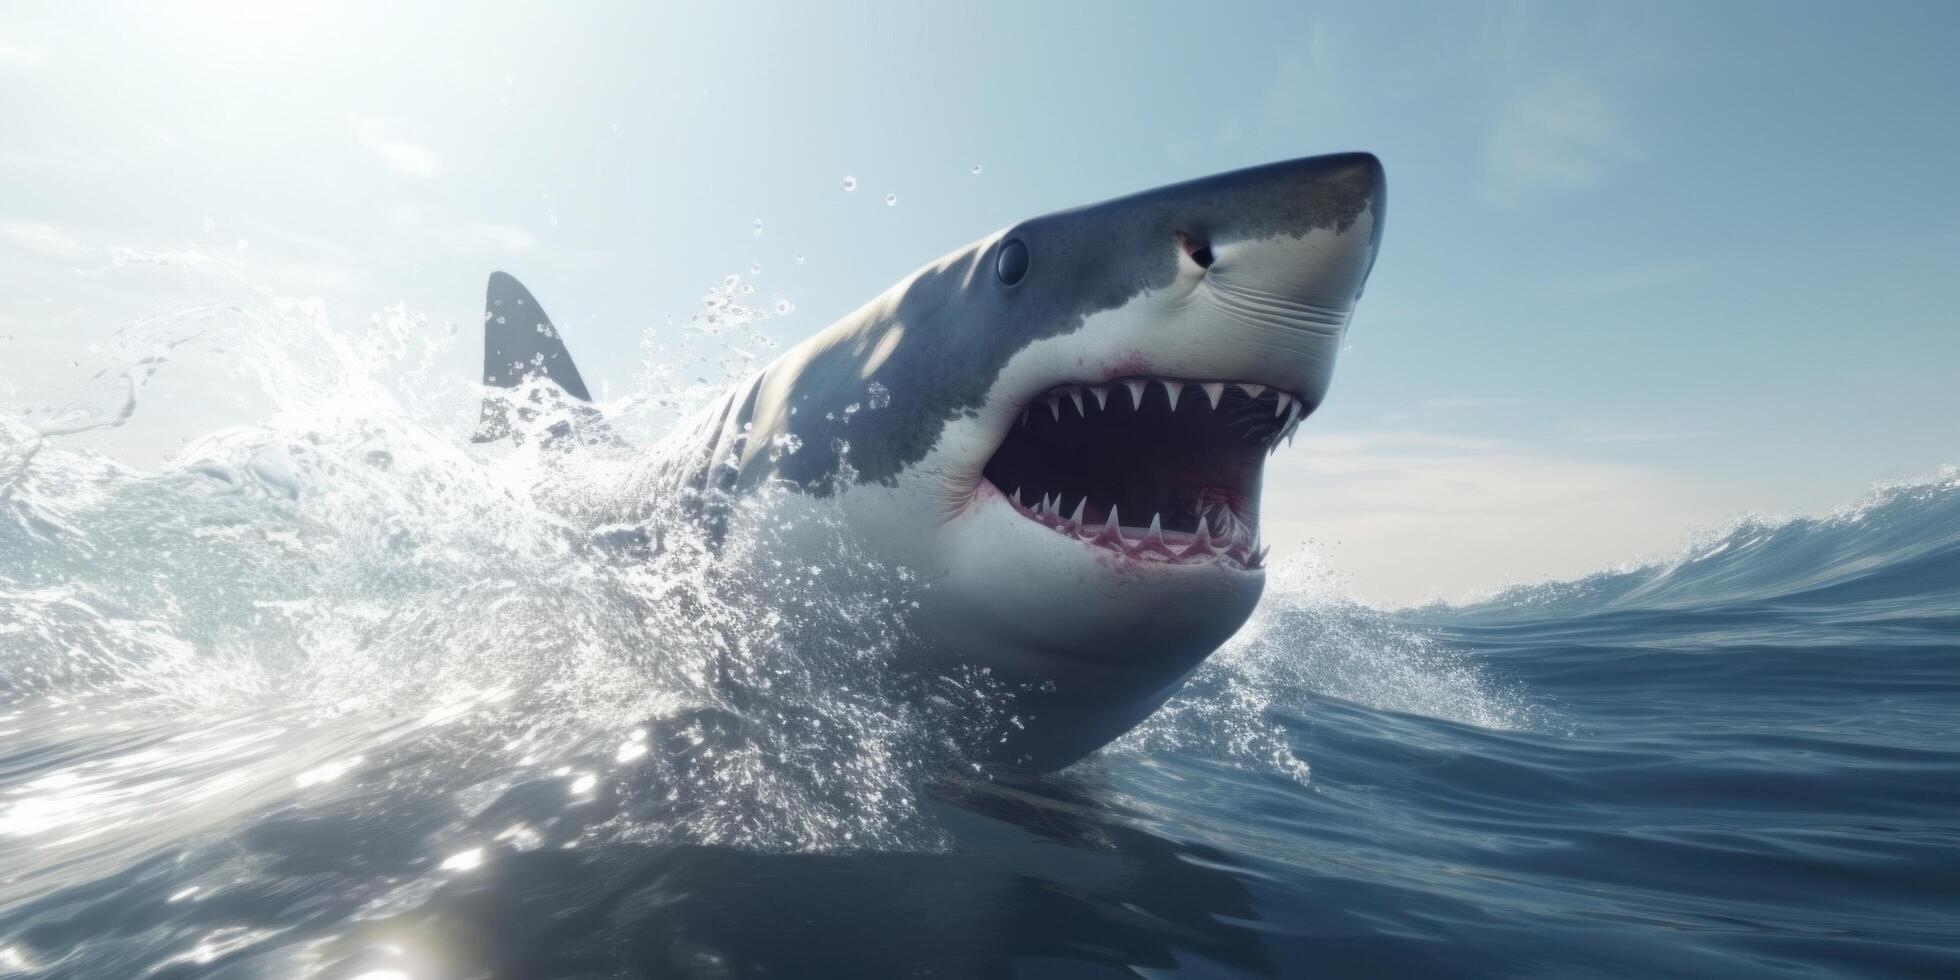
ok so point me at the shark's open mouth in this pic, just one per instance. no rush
(1155, 469)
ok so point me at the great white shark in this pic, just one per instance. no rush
(1068, 430)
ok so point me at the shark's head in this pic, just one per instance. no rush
(1063, 427)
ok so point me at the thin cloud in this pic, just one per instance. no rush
(41, 239)
(305, 276)
(300, 240)
(1560, 135)
(1465, 402)
(463, 236)
(22, 54)
(1631, 280)
(1359, 444)
(486, 236)
(1634, 438)
(1407, 515)
(1306, 85)
(401, 155)
(1429, 408)
(51, 157)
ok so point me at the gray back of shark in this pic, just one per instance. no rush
(1135, 361)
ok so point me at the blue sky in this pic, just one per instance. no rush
(1647, 266)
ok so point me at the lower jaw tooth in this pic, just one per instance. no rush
(1153, 540)
(1112, 531)
(1200, 545)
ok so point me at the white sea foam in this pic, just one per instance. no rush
(1309, 639)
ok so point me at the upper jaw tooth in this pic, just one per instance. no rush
(1286, 408)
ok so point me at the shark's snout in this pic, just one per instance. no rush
(1289, 198)
(1252, 233)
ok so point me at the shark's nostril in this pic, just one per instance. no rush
(1200, 251)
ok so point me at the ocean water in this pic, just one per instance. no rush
(335, 694)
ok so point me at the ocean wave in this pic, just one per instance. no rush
(1899, 545)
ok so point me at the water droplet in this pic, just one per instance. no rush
(784, 306)
(758, 227)
(891, 200)
(463, 860)
(799, 258)
(976, 168)
(755, 268)
(784, 445)
(850, 182)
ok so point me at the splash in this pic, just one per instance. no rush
(1309, 639)
(346, 603)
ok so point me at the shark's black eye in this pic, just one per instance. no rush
(1013, 261)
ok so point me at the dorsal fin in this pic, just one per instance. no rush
(520, 345)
